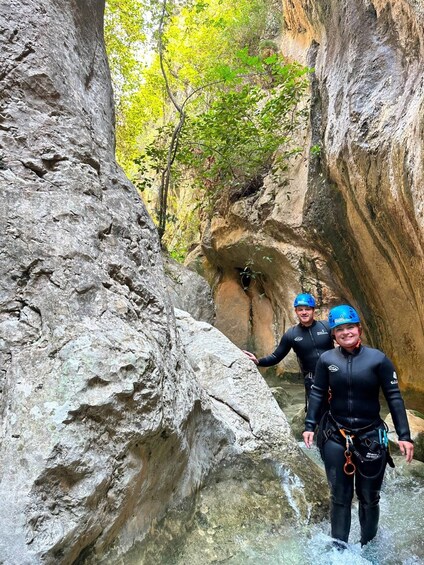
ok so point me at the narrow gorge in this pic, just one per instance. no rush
(125, 420)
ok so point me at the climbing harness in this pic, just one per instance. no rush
(372, 439)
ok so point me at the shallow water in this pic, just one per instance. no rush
(399, 540)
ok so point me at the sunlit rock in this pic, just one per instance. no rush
(416, 425)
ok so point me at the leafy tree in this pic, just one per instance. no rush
(233, 144)
(126, 44)
(213, 105)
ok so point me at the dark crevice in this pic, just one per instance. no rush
(88, 160)
(246, 276)
(245, 418)
(107, 231)
(37, 169)
(251, 187)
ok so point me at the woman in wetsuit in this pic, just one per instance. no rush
(352, 437)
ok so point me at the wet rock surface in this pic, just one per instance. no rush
(242, 503)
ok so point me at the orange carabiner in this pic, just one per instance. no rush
(348, 436)
(349, 468)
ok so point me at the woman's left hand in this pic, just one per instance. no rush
(407, 449)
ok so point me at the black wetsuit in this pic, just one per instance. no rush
(355, 380)
(308, 343)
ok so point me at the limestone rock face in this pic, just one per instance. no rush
(348, 224)
(95, 394)
(104, 424)
(189, 291)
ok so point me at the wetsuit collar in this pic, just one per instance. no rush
(357, 349)
(307, 327)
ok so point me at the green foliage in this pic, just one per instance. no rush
(234, 141)
(316, 150)
(212, 81)
(125, 37)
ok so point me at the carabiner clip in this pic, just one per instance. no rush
(349, 467)
(382, 438)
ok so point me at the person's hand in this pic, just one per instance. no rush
(308, 438)
(251, 356)
(407, 449)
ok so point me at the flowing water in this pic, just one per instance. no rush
(218, 534)
(399, 540)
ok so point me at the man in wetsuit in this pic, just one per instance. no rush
(353, 437)
(308, 339)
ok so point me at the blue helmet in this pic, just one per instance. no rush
(343, 314)
(304, 300)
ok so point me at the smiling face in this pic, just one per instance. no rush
(305, 315)
(347, 335)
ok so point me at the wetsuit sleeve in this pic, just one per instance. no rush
(389, 384)
(283, 348)
(319, 392)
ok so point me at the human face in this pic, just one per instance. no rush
(347, 335)
(305, 315)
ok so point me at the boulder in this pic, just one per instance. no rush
(416, 425)
(189, 291)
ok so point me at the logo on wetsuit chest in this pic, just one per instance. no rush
(298, 338)
(322, 332)
(333, 368)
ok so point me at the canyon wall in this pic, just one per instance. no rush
(95, 394)
(347, 225)
(105, 424)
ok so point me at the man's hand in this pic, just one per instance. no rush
(407, 449)
(308, 438)
(251, 356)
